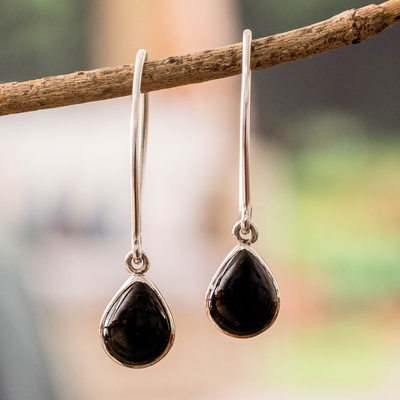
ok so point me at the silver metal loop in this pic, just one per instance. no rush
(139, 118)
(245, 208)
(253, 232)
(129, 264)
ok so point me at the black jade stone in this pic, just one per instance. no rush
(243, 301)
(137, 329)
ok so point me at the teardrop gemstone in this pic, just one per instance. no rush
(243, 297)
(137, 330)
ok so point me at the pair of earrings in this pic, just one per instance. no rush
(137, 328)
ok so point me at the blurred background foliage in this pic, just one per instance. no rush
(43, 37)
(347, 207)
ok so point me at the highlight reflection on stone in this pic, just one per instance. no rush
(137, 329)
(243, 299)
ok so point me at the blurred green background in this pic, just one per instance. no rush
(42, 38)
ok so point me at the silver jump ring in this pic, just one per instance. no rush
(253, 231)
(129, 262)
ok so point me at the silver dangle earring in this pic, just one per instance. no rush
(137, 329)
(243, 298)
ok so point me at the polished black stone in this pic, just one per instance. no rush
(137, 329)
(243, 301)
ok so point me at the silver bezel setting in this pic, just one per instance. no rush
(130, 281)
(235, 250)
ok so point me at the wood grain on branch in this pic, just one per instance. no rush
(349, 27)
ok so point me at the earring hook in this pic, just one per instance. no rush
(245, 209)
(139, 122)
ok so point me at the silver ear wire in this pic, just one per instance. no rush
(139, 122)
(245, 209)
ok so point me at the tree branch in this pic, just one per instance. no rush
(349, 27)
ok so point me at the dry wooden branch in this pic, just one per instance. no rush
(349, 27)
